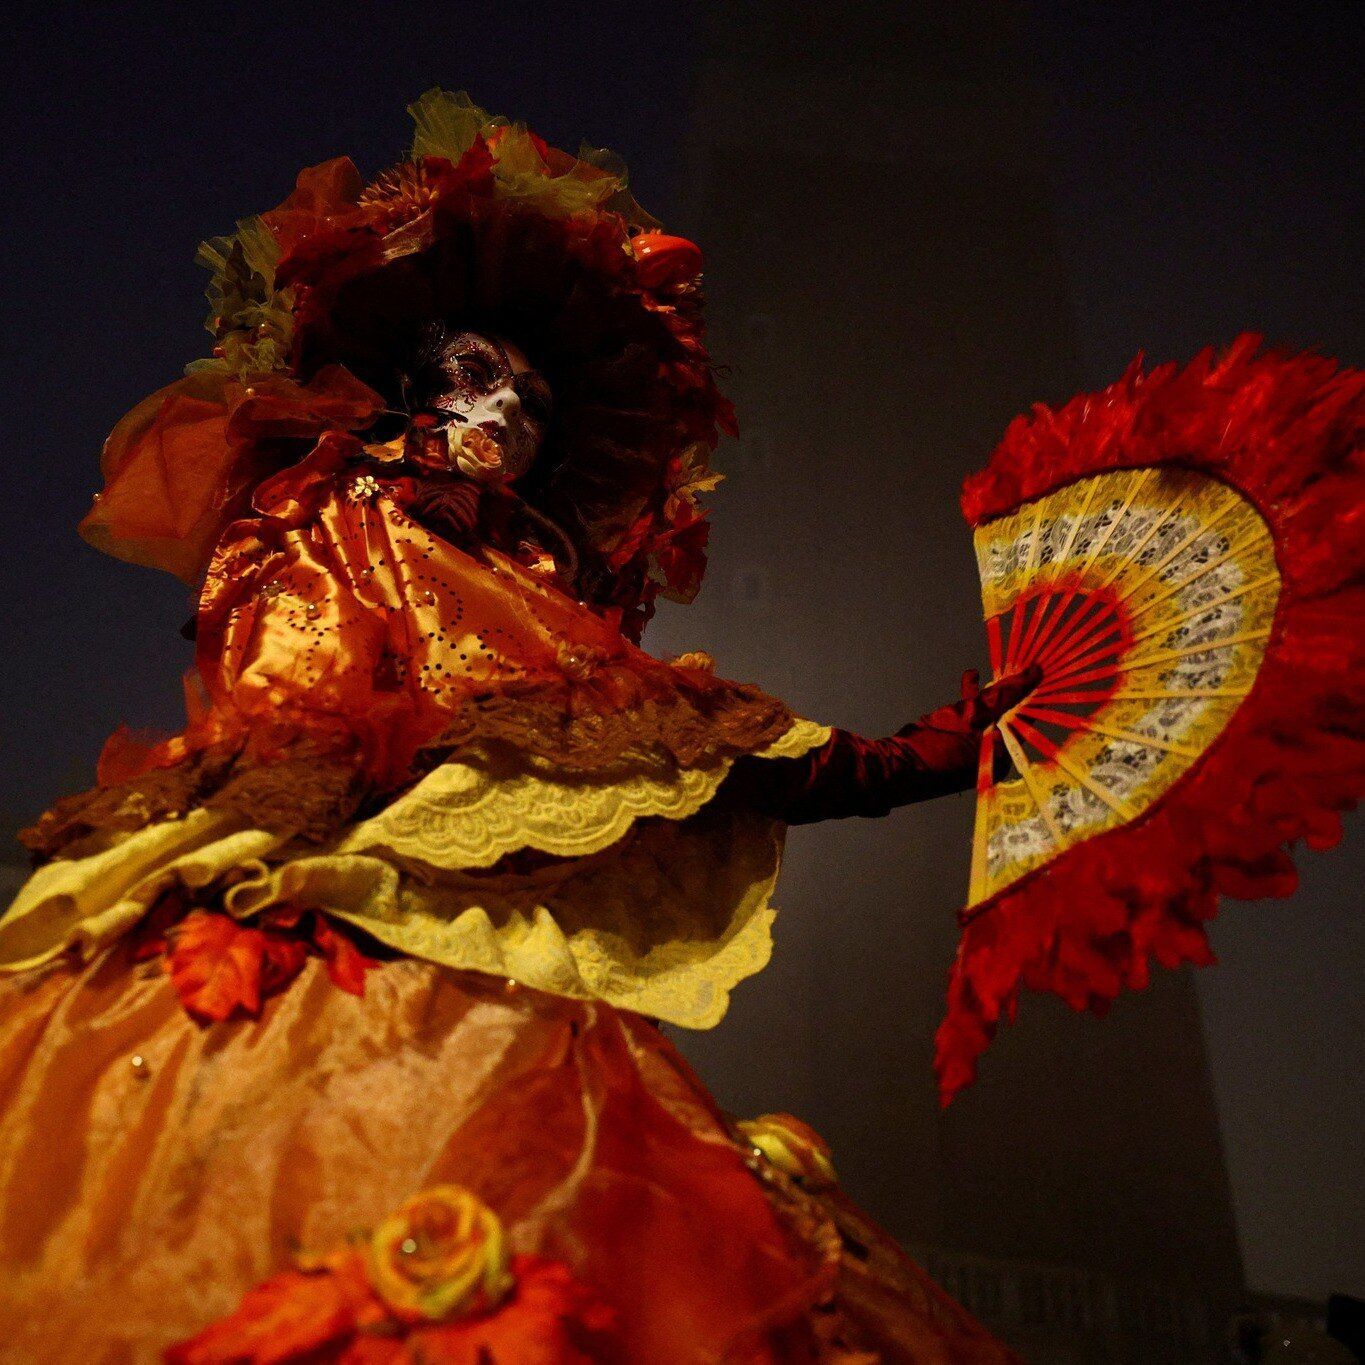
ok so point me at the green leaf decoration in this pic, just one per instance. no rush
(620, 201)
(446, 124)
(520, 174)
(252, 321)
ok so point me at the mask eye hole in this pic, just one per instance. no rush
(436, 419)
(534, 394)
(474, 363)
(477, 370)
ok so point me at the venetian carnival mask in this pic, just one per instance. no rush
(478, 406)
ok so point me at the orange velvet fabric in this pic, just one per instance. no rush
(152, 1170)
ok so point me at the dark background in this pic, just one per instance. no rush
(921, 217)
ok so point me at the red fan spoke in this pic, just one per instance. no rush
(1113, 670)
(1067, 720)
(1095, 617)
(985, 779)
(1018, 625)
(1057, 622)
(1048, 601)
(994, 642)
(1092, 606)
(1075, 659)
(1062, 697)
(1035, 737)
(1104, 641)
(985, 768)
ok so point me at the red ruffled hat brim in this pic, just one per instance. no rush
(487, 223)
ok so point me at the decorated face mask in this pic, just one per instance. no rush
(484, 411)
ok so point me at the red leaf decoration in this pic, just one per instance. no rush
(549, 1318)
(346, 964)
(288, 1317)
(221, 968)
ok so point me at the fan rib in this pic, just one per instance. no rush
(1019, 622)
(1078, 521)
(1026, 771)
(1175, 693)
(1054, 755)
(1071, 722)
(1166, 656)
(1057, 604)
(1060, 697)
(1174, 589)
(1082, 620)
(1134, 488)
(1132, 557)
(1090, 675)
(994, 642)
(1232, 502)
(1075, 643)
(1195, 612)
(1081, 655)
(1028, 649)
(984, 771)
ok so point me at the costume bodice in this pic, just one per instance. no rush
(333, 610)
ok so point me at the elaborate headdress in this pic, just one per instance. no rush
(314, 302)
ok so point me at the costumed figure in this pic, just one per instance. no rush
(330, 1024)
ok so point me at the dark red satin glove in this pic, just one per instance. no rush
(851, 775)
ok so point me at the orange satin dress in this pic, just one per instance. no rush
(153, 1169)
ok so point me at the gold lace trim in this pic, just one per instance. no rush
(663, 909)
(469, 815)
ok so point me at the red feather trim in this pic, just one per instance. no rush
(1288, 432)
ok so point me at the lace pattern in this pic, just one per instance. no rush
(1171, 583)
(471, 814)
(662, 907)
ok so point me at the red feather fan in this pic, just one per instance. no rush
(1183, 554)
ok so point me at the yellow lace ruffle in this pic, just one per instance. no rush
(660, 915)
(467, 815)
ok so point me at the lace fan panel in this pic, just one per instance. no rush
(1147, 597)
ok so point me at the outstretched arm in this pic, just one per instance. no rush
(851, 775)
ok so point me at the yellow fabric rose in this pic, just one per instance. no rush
(441, 1254)
(795, 1148)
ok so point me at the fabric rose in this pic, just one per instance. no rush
(441, 1253)
(795, 1148)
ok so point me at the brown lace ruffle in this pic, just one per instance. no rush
(303, 794)
(612, 722)
(584, 729)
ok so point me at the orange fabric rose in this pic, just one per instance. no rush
(442, 1253)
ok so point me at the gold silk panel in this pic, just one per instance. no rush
(153, 1170)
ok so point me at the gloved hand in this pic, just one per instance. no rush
(852, 775)
(980, 707)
